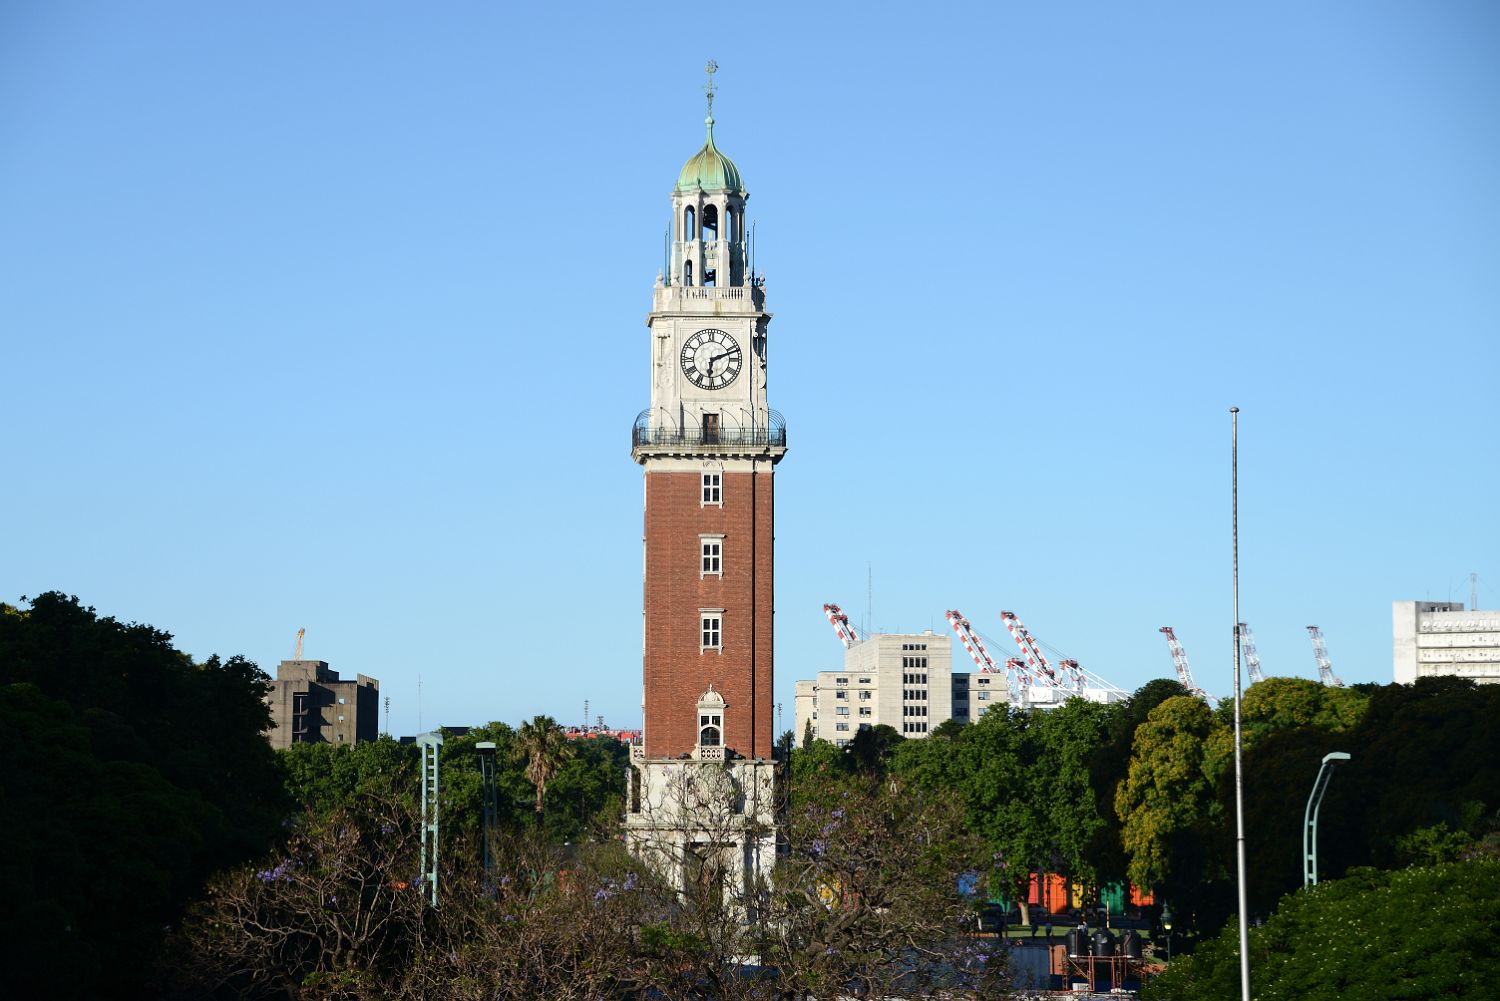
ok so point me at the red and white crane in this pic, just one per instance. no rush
(1016, 677)
(1252, 659)
(1184, 672)
(1038, 665)
(1320, 653)
(841, 626)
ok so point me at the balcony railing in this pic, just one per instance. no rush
(713, 439)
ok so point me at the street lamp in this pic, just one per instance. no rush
(1310, 818)
(1166, 926)
(486, 749)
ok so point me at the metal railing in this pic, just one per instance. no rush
(644, 435)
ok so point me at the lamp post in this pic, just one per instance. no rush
(1310, 817)
(486, 749)
(1166, 926)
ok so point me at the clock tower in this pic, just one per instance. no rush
(709, 444)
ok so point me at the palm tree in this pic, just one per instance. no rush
(544, 747)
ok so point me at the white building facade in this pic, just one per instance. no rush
(904, 680)
(1440, 639)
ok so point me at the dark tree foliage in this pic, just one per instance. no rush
(588, 787)
(127, 774)
(871, 748)
(1107, 767)
(1404, 935)
(1423, 754)
(1279, 774)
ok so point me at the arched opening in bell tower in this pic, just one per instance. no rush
(687, 270)
(710, 222)
(689, 223)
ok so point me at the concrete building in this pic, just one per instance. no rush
(904, 680)
(311, 704)
(701, 808)
(1438, 638)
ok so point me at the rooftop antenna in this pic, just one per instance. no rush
(387, 715)
(1473, 592)
(869, 598)
(585, 714)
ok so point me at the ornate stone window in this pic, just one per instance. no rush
(711, 719)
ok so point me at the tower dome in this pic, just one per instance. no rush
(709, 170)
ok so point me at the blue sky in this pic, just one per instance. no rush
(332, 316)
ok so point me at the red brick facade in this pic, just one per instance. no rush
(677, 670)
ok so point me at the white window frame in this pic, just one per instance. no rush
(712, 493)
(711, 548)
(710, 627)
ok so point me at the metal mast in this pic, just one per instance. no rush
(841, 626)
(429, 744)
(1252, 659)
(1320, 653)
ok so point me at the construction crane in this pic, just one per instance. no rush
(1184, 672)
(1015, 674)
(1034, 659)
(297, 654)
(841, 626)
(1073, 673)
(1320, 653)
(1252, 659)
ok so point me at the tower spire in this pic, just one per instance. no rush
(710, 68)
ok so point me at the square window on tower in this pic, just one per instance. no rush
(711, 623)
(711, 555)
(713, 489)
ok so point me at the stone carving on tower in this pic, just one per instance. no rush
(703, 781)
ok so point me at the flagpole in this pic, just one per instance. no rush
(1239, 774)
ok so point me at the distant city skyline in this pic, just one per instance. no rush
(333, 319)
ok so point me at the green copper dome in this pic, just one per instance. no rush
(709, 169)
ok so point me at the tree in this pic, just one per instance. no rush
(128, 773)
(1404, 935)
(335, 903)
(543, 746)
(1067, 737)
(1423, 754)
(992, 770)
(1286, 703)
(1108, 766)
(868, 900)
(872, 748)
(1168, 803)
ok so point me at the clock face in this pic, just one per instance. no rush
(711, 359)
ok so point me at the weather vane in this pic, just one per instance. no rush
(710, 68)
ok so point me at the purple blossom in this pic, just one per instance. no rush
(280, 874)
(819, 846)
(629, 883)
(838, 814)
(603, 894)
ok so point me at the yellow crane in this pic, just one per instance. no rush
(297, 655)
